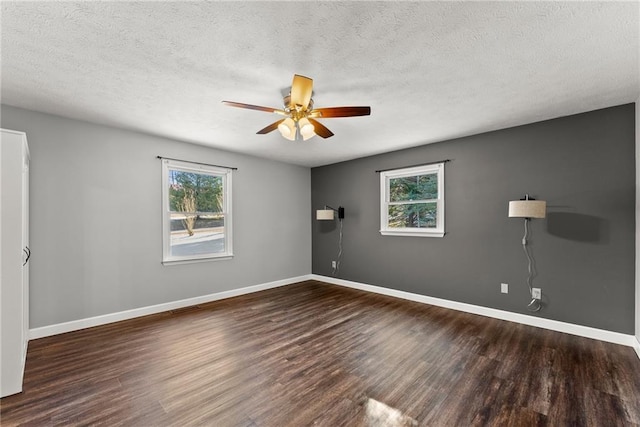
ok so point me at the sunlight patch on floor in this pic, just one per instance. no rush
(380, 415)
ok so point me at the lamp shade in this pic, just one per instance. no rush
(527, 209)
(324, 214)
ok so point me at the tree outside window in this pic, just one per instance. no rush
(412, 201)
(197, 211)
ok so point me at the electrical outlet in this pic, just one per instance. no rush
(504, 288)
(536, 293)
(333, 264)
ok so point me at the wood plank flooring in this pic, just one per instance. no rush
(318, 354)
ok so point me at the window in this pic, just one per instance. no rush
(196, 212)
(412, 201)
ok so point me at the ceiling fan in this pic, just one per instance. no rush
(300, 114)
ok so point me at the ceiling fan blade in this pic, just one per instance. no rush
(270, 128)
(320, 129)
(301, 90)
(254, 107)
(341, 112)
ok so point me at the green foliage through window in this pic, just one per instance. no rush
(413, 215)
(195, 192)
(196, 218)
(412, 201)
(416, 188)
(196, 195)
(409, 188)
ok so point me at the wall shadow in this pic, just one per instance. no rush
(578, 227)
(326, 226)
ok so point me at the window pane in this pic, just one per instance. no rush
(419, 187)
(195, 192)
(196, 234)
(413, 215)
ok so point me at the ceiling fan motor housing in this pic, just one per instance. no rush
(288, 107)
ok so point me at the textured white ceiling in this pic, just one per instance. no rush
(430, 71)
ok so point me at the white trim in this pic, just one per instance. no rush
(197, 260)
(554, 325)
(226, 175)
(385, 176)
(75, 325)
(16, 132)
(636, 346)
(414, 233)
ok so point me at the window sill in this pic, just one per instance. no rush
(412, 233)
(197, 260)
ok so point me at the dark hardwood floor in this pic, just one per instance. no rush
(318, 354)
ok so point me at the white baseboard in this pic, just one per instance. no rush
(636, 346)
(554, 325)
(75, 325)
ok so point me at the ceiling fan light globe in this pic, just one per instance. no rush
(284, 130)
(291, 136)
(306, 128)
(288, 129)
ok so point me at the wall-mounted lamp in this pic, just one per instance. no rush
(327, 214)
(528, 208)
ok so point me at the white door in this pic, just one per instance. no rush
(26, 249)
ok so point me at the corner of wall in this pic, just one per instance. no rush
(637, 332)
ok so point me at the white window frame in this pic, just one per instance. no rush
(385, 176)
(167, 258)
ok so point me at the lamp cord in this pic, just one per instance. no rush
(337, 267)
(534, 305)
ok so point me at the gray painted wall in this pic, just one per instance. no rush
(96, 221)
(582, 165)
